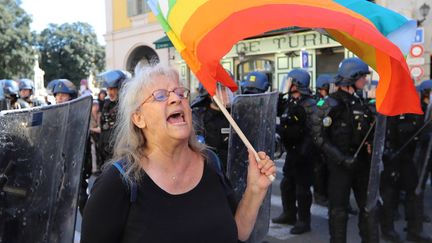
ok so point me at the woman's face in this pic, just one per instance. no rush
(168, 119)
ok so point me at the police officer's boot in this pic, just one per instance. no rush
(338, 225)
(414, 215)
(289, 214)
(387, 215)
(304, 201)
(368, 225)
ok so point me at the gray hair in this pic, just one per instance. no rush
(129, 141)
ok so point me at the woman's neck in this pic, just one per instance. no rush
(169, 156)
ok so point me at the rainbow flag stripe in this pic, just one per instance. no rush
(203, 31)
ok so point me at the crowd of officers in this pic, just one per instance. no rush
(327, 137)
(328, 140)
(20, 94)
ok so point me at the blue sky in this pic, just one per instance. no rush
(45, 12)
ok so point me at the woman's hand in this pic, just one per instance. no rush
(258, 173)
(257, 184)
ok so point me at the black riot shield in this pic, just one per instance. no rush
(41, 154)
(422, 154)
(376, 163)
(256, 116)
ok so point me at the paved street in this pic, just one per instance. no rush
(280, 233)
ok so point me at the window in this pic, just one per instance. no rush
(137, 7)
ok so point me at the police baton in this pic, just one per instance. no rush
(410, 139)
(364, 140)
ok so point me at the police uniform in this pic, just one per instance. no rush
(340, 125)
(107, 122)
(300, 150)
(346, 124)
(399, 174)
(320, 168)
(212, 125)
(298, 167)
(111, 79)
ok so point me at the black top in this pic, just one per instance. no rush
(201, 215)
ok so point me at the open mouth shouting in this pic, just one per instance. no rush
(176, 118)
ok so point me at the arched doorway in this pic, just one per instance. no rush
(141, 56)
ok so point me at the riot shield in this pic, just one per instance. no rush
(376, 165)
(423, 150)
(41, 154)
(256, 116)
(423, 162)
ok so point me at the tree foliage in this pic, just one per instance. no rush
(70, 51)
(17, 55)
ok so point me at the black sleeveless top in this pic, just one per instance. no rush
(202, 214)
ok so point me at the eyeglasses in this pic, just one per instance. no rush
(160, 95)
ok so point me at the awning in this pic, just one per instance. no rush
(163, 42)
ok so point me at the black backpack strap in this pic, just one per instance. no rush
(120, 165)
(214, 162)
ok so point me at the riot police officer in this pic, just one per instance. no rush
(210, 124)
(340, 126)
(254, 83)
(400, 174)
(112, 80)
(299, 146)
(64, 91)
(26, 91)
(320, 166)
(323, 86)
(11, 94)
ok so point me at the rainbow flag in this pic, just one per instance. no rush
(203, 31)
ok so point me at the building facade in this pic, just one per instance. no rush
(134, 37)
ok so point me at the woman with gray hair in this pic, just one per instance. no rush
(162, 187)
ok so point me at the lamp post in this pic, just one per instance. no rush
(424, 11)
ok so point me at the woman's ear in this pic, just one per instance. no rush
(138, 120)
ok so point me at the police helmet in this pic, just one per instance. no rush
(301, 79)
(201, 90)
(65, 86)
(350, 70)
(254, 83)
(10, 88)
(425, 85)
(113, 78)
(26, 84)
(323, 81)
(203, 98)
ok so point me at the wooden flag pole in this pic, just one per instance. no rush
(239, 131)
